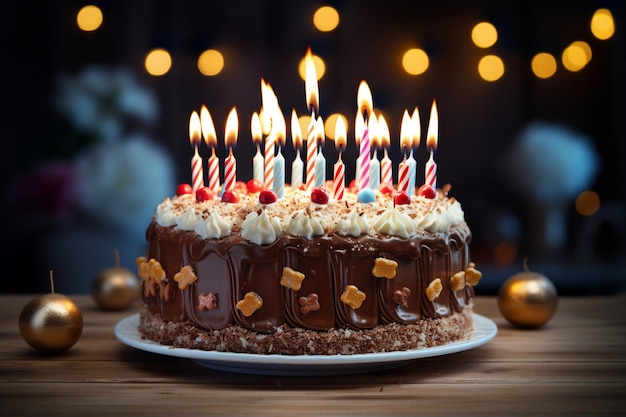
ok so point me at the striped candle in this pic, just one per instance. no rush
(386, 175)
(385, 167)
(230, 168)
(339, 178)
(431, 144)
(214, 171)
(364, 163)
(230, 171)
(197, 176)
(269, 162)
(403, 176)
(311, 151)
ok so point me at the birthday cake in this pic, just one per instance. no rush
(306, 274)
(311, 268)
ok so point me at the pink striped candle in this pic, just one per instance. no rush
(197, 176)
(365, 107)
(311, 153)
(230, 168)
(431, 144)
(269, 161)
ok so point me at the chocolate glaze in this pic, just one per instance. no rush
(231, 267)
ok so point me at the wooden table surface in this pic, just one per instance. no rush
(575, 365)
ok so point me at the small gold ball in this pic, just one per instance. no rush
(51, 323)
(115, 288)
(527, 299)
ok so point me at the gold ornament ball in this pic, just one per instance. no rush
(51, 323)
(115, 288)
(527, 299)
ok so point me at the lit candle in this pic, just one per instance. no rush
(385, 164)
(320, 161)
(278, 125)
(312, 94)
(269, 109)
(197, 180)
(339, 179)
(297, 167)
(359, 127)
(405, 145)
(257, 137)
(374, 182)
(409, 148)
(431, 144)
(230, 168)
(416, 132)
(210, 138)
(365, 106)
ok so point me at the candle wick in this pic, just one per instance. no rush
(51, 282)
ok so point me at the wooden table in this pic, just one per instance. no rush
(576, 365)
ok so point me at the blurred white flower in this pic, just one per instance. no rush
(121, 183)
(551, 162)
(98, 101)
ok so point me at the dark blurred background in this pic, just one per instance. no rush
(535, 162)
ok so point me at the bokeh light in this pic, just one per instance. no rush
(505, 253)
(587, 203)
(415, 61)
(158, 62)
(320, 67)
(326, 19)
(576, 56)
(491, 68)
(331, 122)
(484, 35)
(543, 65)
(89, 18)
(210, 62)
(602, 24)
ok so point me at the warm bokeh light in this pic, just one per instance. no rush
(602, 24)
(210, 62)
(330, 124)
(320, 67)
(415, 61)
(158, 62)
(484, 35)
(505, 253)
(491, 68)
(326, 19)
(576, 56)
(587, 203)
(89, 18)
(543, 65)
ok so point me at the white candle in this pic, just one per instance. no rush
(412, 173)
(297, 167)
(374, 172)
(279, 174)
(257, 137)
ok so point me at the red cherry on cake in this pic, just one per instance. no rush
(254, 186)
(183, 189)
(229, 196)
(319, 195)
(204, 194)
(401, 198)
(386, 189)
(268, 197)
(427, 191)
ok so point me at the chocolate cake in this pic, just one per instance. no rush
(301, 275)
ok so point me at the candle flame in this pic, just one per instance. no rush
(359, 127)
(372, 125)
(255, 128)
(364, 99)
(279, 127)
(433, 128)
(208, 129)
(194, 129)
(310, 83)
(320, 138)
(416, 131)
(406, 132)
(340, 134)
(383, 129)
(296, 130)
(269, 103)
(232, 129)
